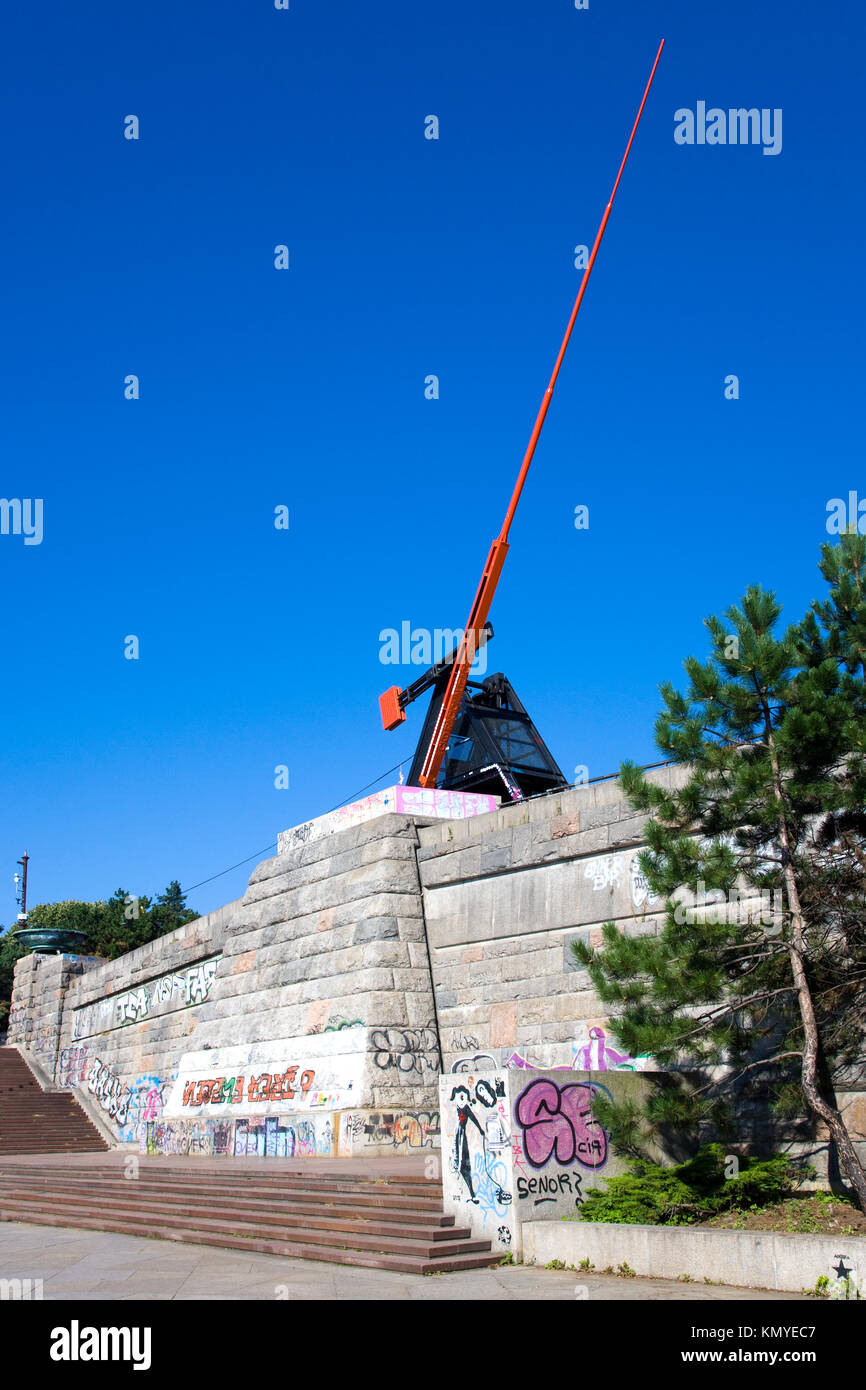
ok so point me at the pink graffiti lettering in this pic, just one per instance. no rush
(557, 1121)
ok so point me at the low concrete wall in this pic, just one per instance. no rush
(750, 1259)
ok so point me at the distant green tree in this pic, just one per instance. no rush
(11, 950)
(113, 926)
(170, 910)
(771, 734)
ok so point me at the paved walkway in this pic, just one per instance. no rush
(82, 1265)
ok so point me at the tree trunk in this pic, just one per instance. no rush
(849, 1161)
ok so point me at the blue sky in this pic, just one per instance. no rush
(305, 387)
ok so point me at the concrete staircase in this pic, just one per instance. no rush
(392, 1222)
(36, 1121)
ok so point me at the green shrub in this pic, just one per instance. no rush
(688, 1192)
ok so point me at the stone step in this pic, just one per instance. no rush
(278, 1201)
(281, 1185)
(400, 1261)
(384, 1222)
(184, 1169)
(338, 1235)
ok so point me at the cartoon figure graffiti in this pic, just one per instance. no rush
(462, 1161)
(477, 1168)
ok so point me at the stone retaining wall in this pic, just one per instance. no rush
(437, 945)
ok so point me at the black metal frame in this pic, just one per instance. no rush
(505, 752)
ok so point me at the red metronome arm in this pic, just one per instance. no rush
(392, 710)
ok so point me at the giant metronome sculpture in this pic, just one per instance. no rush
(485, 741)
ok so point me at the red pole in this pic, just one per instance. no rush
(496, 558)
(533, 438)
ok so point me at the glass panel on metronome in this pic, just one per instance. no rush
(496, 748)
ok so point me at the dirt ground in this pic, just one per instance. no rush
(816, 1213)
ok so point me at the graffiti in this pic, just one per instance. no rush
(229, 1090)
(416, 1130)
(489, 1178)
(503, 1235)
(176, 1140)
(638, 884)
(515, 1060)
(590, 1052)
(406, 1049)
(463, 1042)
(42, 1042)
(557, 1121)
(163, 1139)
(259, 1079)
(597, 1055)
(271, 1138)
(410, 801)
(223, 1136)
(151, 999)
(482, 1061)
(517, 1157)
(147, 1097)
(268, 1137)
(109, 1090)
(72, 1066)
(549, 1189)
(605, 872)
(482, 1174)
(339, 1024)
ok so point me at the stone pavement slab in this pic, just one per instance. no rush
(98, 1265)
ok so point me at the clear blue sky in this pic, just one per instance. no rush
(306, 387)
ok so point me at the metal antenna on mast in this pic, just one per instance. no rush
(21, 887)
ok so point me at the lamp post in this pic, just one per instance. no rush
(47, 941)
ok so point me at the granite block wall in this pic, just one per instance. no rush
(429, 946)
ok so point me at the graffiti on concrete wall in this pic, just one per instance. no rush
(557, 1123)
(605, 872)
(592, 1052)
(230, 1090)
(475, 1146)
(109, 1090)
(519, 1147)
(152, 999)
(418, 1129)
(267, 1137)
(481, 1061)
(406, 1050)
(147, 1096)
(321, 1072)
(540, 1191)
(72, 1066)
(521, 1063)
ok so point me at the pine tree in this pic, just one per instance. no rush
(765, 973)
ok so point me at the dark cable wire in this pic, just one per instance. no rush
(352, 797)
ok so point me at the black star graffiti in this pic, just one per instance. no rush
(841, 1271)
